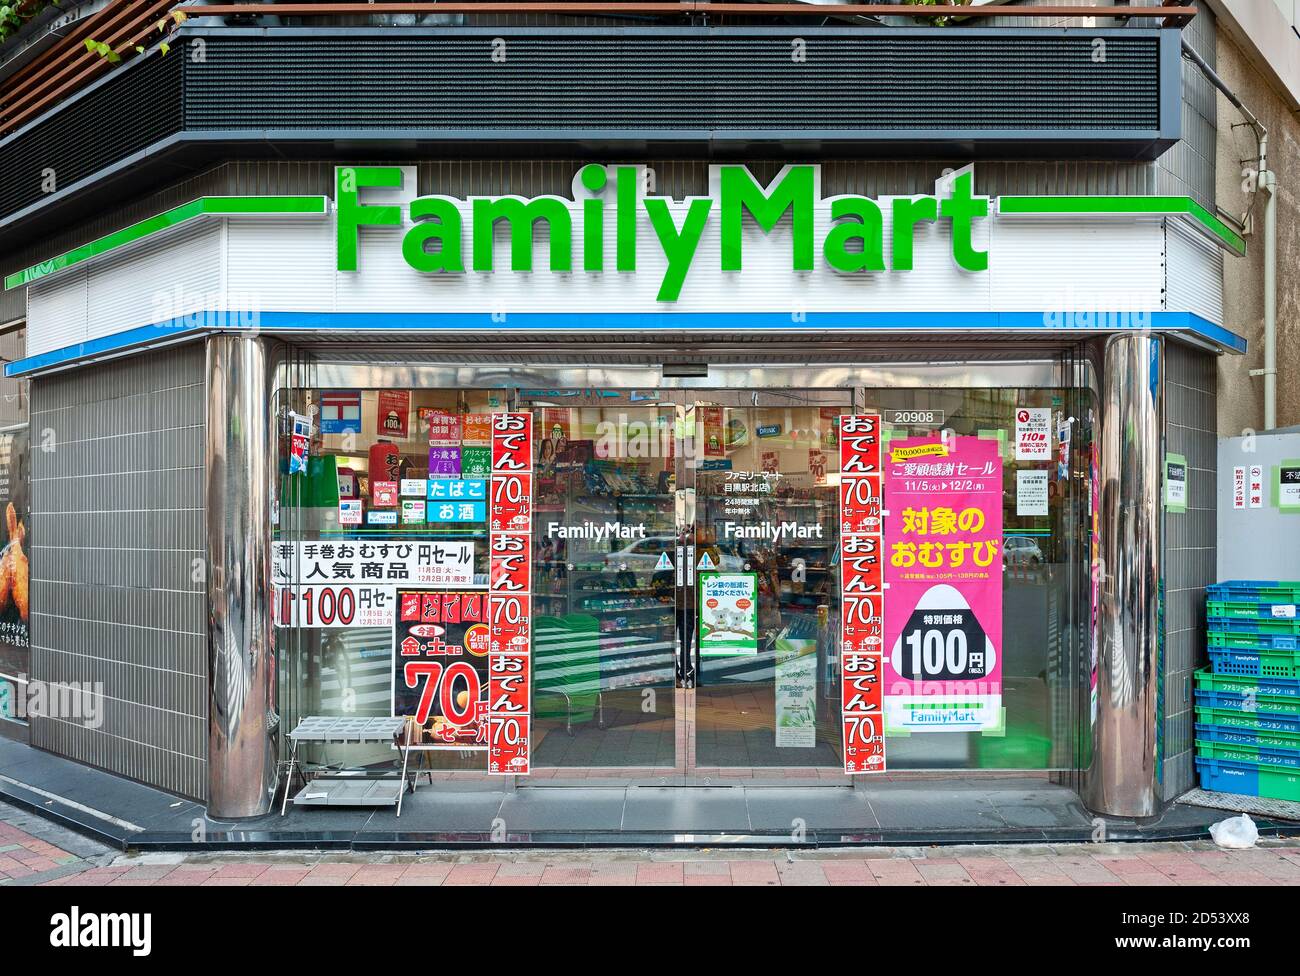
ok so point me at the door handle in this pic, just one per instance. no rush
(690, 565)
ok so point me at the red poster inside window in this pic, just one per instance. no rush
(862, 594)
(512, 503)
(512, 443)
(510, 569)
(440, 667)
(860, 504)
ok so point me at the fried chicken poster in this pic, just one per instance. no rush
(15, 570)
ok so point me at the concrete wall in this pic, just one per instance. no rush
(1241, 397)
(118, 525)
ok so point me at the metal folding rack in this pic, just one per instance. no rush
(348, 787)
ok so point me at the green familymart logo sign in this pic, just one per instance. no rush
(601, 228)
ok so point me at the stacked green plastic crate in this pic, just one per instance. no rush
(1248, 700)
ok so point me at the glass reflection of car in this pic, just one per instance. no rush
(1020, 550)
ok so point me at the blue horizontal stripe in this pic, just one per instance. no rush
(589, 323)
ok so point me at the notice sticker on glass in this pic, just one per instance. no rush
(1033, 434)
(350, 511)
(412, 510)
(414, 487)
(1031, 493)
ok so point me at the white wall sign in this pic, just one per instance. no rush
(1239, 487)
(1255, 486)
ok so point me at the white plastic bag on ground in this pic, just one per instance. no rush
(1235, 833)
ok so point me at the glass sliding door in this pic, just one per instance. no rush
(766, 593)
(605, 580)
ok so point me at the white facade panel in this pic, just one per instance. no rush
(1195, 278)
(287, 264)
(1045, 264)
(175, 275)
(56, 312)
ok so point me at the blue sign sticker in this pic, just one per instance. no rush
(453, 490)
(443, 511)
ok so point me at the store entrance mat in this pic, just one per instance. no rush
(1258, 806)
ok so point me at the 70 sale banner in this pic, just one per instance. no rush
(862, 594)
(510, 569)
(943, 637)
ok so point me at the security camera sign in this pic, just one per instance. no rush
(1033, 434)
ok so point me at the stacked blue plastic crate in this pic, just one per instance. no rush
(1248, 700)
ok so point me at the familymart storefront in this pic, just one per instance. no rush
(772, 482)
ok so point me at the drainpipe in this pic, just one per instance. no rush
(1267, 181)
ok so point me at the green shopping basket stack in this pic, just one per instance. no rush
(1248, 700)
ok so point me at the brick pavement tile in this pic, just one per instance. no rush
(382, 875)
(1267, 863)
(710, 868)
(1036, 869)
(945, 873)
(899, 872)
(521, 869)
(660, 872)
(185, 876)
(278, 875)
(471, 874)
(846, 871)
(612, 874)
(1087, 870)
(333, 868)
(243, 869)
(802, 874)
(217, 881)
(516, 881)
(753, 873)
(1124, 866)
(708, 880)
(566, 875)
(1149, 880)
(430, 872)
(38, 863)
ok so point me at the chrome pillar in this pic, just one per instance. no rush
(240, 449)
(1121, 780)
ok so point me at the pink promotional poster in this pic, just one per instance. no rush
(943, 573)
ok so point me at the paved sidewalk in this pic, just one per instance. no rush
(1167, 864)
(35, 851)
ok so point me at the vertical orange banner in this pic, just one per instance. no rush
(862, 594)
(510, 610)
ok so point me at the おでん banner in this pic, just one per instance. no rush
(510, 588)
(862, 598)
(943, 539)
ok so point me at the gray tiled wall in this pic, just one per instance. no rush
(1189, 551)
(117, 587)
